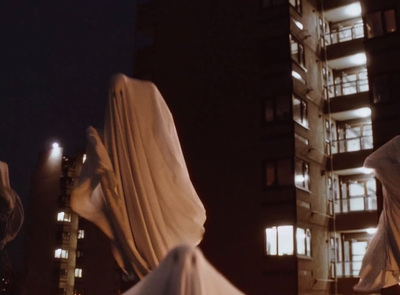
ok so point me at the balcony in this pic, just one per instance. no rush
(348, 268)
(345, 34)
(352, 144)
(354, 204)
(348, 88)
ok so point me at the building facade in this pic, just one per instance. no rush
(274, 108)
(67, 255)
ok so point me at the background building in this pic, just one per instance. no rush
(66, 254)
(273, 107)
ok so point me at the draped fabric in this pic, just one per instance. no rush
(381, 263)
(11, 210)
(135, 184)
(184, 271)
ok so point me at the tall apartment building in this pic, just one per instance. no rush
(66, 254)
(273, 107)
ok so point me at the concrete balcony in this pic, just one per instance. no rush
(348, 162)
(343, 50)
(357, 220)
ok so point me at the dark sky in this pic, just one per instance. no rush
(56, 60)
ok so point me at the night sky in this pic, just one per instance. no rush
(56, 60)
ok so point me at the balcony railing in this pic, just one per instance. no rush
(352, 144)
(347, 88)
(348, 268)
(353, 204)
(346, 34)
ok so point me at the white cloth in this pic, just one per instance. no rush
(136, 186)
(380, 266)
(11, 210)
(184, 271)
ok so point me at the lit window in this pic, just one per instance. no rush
(64, 216)
(78, 272)
(279, 173)
(380, 22)
(296, 4)
(300, 113)
(277, 109)
(358, 193)
(81, 233)
(84, 158)
(303, 241)
(302, 174)
(61, 253)
(279, 240)
(297, 51)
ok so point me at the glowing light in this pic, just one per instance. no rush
(353, 10)
(371, 230)
(298, 24)
(55, 145)
(83, 158)
(363, 112)
(299, 178)
(367, 170)
(358, 59)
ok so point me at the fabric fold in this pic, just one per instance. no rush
(135, 185)
(381, 263)
(184, 271)
(11, 209)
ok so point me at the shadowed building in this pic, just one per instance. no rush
(273, 108)
(66, 255)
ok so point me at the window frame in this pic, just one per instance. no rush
(300, 54)
(383, 23)
(303, 111)
(278, 171)
(305, 175)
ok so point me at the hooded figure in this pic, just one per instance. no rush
(184, 271)
(11, 210)
(134, 184)
(381, 263)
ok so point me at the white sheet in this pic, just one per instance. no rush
(184, 271)
(135, 185)
(11, 210)
(380, 266)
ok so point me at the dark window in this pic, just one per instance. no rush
(272, 3)
(278, 173)
(277, 109)
(380, 22)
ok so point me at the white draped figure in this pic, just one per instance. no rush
(184, 271)
(381, 263)
(135, 185)
(11, 210)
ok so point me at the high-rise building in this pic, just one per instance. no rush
(66, 254)
(273, 105)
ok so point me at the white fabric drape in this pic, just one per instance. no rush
(184, 271)
(11, 210)
(135, 185)
(380, 266)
